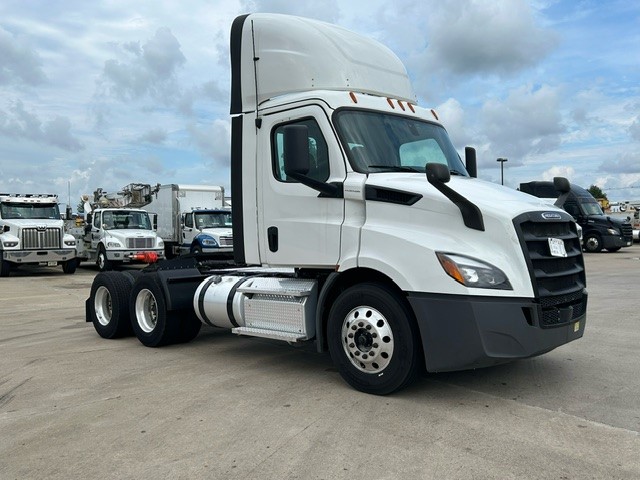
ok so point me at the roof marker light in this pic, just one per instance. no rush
(353, 97)
(401, 105)
(411, 108)
(390, 102)
(435, 115)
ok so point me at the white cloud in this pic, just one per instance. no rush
(19, 62)
(527, 122)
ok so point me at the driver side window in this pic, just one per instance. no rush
(188, 220)
(318, 152)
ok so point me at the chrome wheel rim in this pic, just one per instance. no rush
(103, 306)
(367, 339)
(146, 310)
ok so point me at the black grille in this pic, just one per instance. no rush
(559, 282)
(627, 232)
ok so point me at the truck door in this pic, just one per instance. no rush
(96, 225)
(297, 226)
(188, 230)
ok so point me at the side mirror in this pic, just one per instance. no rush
(5, 228)
(296, 150)
(437, 173)
(561, 184)
(470, 161)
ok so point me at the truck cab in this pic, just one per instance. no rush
(115, 236)
(32, 233)
(599, 231)
(207, 231)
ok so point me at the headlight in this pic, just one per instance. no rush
(160, 243)
(70, 243)
(209, 242)
(613, 231)
(9, 244)
(114, 245)
(471, 272)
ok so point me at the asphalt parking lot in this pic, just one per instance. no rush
(73, 405)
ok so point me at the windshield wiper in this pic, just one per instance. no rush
(456, 172)
(397, 168)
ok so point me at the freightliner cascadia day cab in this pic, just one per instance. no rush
(32, 233)
(357, 226)
(598, 230)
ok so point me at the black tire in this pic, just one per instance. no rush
(69, 267)
(151, 322)
(612, 250)
(371, 319)
(190, 326)
(196, 250)
(103, 263)
(5, 268)
(109, 305)
(592, 243)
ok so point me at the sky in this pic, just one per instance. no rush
(107, 93)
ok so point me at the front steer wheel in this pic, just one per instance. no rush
(109, 304)
(373, 339)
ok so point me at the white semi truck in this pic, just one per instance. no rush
(357, 226)
(116, 230)
(192, 219)
(32, 233)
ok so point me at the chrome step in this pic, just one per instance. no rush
(262, 333)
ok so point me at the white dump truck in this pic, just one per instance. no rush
(357, 226)
(192, 219)
(32, 233)
(116, 231)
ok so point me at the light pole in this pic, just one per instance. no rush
(502, 160)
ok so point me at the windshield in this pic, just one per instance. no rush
(30, 210)
(591, 207)
(124, 219)
(213, 220)
(378, 142)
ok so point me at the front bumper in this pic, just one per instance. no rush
(460, 333)
(616, 241)
(133, 256)
(39, 256)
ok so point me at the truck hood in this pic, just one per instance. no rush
(491, 199)
(122, 235)
(32, 222)
(217, 232)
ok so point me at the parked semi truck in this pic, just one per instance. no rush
(599, 231)
(357, 226)
(117, 230)
(192, 219)
(32, 233)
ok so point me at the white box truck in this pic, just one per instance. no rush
(32, 232)
(357, 226)
(192, 219)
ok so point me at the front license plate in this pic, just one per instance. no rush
(52, 264)
(556, 247)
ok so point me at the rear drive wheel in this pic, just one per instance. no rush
(102, 261)
(592, 243)
(109, 305)
(373, 339)
(151, 322)
(190, 326)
